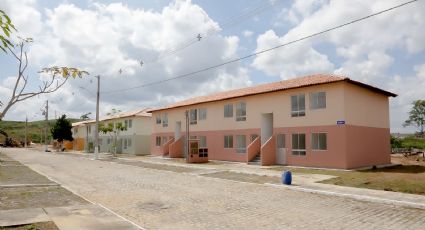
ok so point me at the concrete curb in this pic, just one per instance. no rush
(352, 196)
(27, 185)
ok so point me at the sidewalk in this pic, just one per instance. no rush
(32, 198)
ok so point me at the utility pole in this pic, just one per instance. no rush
(47, 126)
(96, 130)
(26, 130)
(187, 135)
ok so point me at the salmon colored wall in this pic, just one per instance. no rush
(158, 150)
(366, 108)
(367, 146)
(333, 157)
(268, 152)
(176, 148)
(277, 103)
(253, 149)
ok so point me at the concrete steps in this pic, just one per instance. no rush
(256, 160)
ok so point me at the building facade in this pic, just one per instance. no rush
(316, 121)
(133, 138)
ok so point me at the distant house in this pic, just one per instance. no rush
(134, 140)
(317, 121)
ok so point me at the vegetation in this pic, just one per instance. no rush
(7, 28)
(62, 130)
(408, 142)
(401, 178)
(35, 129)
(417, 116)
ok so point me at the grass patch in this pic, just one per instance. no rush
(402, 178)
(49, 225)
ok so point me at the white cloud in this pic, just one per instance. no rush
(289, 62)
(107, 37)
(247, 33)
(24, 15)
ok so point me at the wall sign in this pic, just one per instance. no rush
(340, 122)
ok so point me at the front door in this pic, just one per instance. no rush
(177, 130)
(280, 149)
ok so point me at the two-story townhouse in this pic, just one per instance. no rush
(317, 121)
(133, 139)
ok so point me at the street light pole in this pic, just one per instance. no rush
(96, 130)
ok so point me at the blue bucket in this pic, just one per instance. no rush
(287, 177)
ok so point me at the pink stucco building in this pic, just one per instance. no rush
(317, 121)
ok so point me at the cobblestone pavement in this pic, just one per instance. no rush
(160, 199)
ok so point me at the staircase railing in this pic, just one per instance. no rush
(268, 152)
(166, 148)
(176, 148)
(253, 149)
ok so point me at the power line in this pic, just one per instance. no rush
(263, 51)
(232, 21)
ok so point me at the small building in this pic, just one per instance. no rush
(320, 120)
(135, 139)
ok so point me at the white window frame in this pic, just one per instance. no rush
(130, 123)
(298, 151)
(320, 136)
(318, 100)
(165, 120)
(228, 110)
(228, 141)
(240, 143)
(158, 119)
(193, 116)
(297, 111)
(253, 137)
(202, 114)
(241, 111)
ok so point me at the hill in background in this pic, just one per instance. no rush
(35, 129)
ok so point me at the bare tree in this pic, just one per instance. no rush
(59, 76)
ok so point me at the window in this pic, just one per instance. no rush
(202, 114)
(158, 119)
(165, 120)
(125, 143)
(202, 141)
(75, 130)
(130, 123)
(126, 124)
(298, 105)
(228, 142)
(253, 137)
(241, 111)
(228, 110)
(129, 142)
(318, 141)
(318, 100)
(164, 140)
(280, 140)
(240, 143)
(193, 117)
(89, 128)
(158, 141)
(298, 144)
(100, 141)
(108, 141)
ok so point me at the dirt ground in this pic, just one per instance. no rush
(410, 160)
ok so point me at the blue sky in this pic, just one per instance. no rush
(105, 36)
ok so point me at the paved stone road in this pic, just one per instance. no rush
(157, 199)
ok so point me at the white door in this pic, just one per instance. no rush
(177, 130)
(280, 149)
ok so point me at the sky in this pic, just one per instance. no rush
(110, 38)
